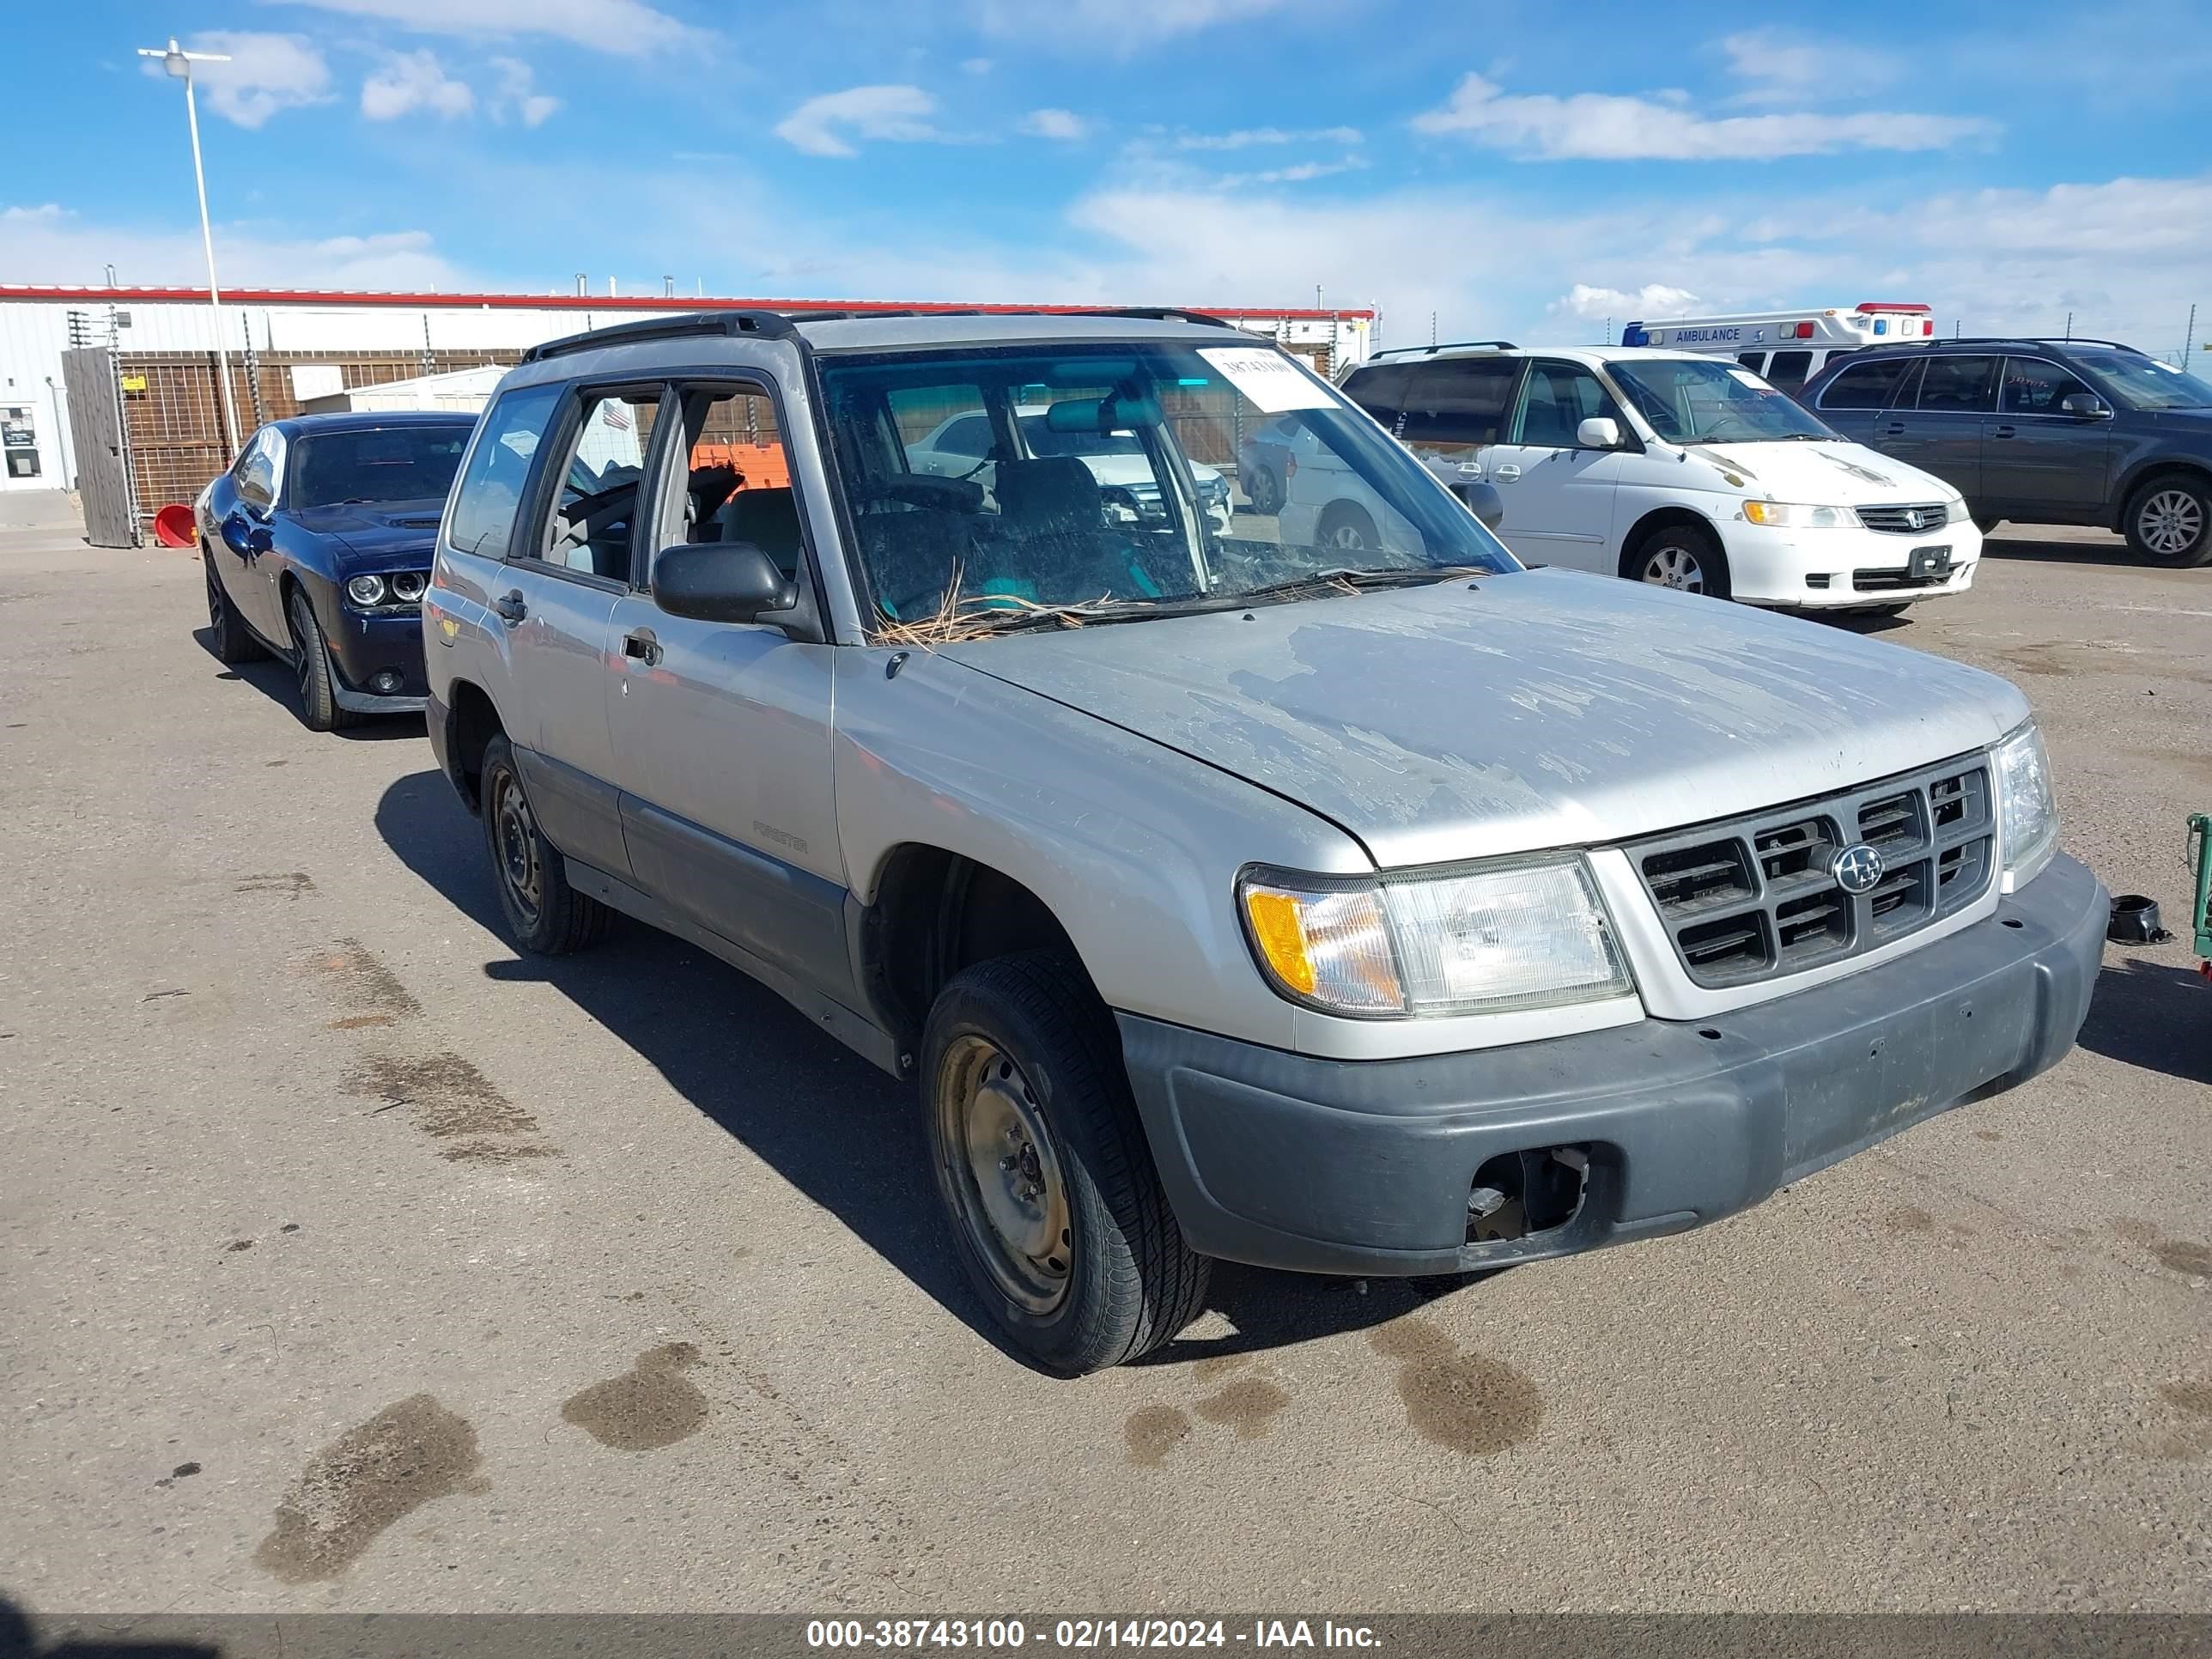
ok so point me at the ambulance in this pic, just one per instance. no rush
(1787, 348)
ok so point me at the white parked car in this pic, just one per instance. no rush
(1676, 469)
(963, 447)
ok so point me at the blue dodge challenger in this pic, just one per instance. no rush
(317, 544)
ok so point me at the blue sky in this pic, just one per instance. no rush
(1508, 171)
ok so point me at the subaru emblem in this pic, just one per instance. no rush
(1856, 869)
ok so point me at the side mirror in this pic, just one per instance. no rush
(2085, 406)
(243, 536)
(1486, 503)
(1599, 432)
(721, 582)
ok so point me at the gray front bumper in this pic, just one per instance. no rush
(1364, 1166)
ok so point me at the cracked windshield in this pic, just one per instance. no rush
(992, 490)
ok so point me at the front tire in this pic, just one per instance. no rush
(1347, 528)
(2169, 521)
(1682, 557)
(1057, 1212)
(1265, 490)
(545, 914)
(234, 642)
(319, 701)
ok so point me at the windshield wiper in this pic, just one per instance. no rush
(1322, 581)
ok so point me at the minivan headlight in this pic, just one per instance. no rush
(2027, 812)
(1792, 515)
(1518, 934)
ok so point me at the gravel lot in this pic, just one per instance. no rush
(353, 1263)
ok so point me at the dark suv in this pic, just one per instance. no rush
(2042, 432)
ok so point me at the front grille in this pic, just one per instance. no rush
(1907, 519)
(1895, 581)
(1756, 897)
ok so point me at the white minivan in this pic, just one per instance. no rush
(1677, 469)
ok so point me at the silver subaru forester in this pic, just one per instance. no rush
(1357, 902)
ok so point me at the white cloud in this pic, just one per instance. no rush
(49, 244)
(629, 28)
(1778, 66)
(266, 74)
(413, 81)
(1119, 26)
(1298, 173)
(516, 98)
(975, 66)
(1601, 126)
(1247, 136)
(819, 125)
(1054, 123)
(1597, 304)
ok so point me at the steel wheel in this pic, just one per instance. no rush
(1674, 566)
(520, 865)
(1003, 1173)
(2170, 522)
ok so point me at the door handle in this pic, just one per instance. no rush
(511, 608)
(2006, 432)
(1506, 474)
(640, 643)
(1895, 430)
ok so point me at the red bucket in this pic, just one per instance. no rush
(173, 525)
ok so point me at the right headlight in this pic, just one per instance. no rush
(1527, 933)
(367, 592)
(2028, 812)
(1792, 515)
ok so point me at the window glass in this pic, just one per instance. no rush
(2035, 386)
(1380, 391)
(737, 480)
(256, 478)
(597, 502)
(2145, 382)
(1866, 386)
(1959, 385)
(379, 464)
(1120, 499)
(1555, 400)
(968, 436)
(1753, 360)
(483, 519)
(1789, 369)
(1700, 400)
(1458, 401)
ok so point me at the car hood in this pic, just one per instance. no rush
(1550, 709)
(1827, 472)
(396, 534)
(1135, 469)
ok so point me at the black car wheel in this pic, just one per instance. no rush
(1680, 557)
(318, 702)
(234, 642)
(1044, 1170)
(1265, 489)
(1346, 528)
(546, 915)
(2169, 521)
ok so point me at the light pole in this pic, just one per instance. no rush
(178, 62)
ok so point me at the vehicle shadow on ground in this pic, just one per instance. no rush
(832, 1125)
(2152, 1015)
(1852, 622)
(2027, 549)
(276, 681)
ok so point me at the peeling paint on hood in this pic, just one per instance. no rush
(1541, 709)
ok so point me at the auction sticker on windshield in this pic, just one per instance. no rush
(1267, 378)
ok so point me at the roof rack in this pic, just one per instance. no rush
(1448, 345)
(2027, 339)
(768, 324)
(782, 324)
